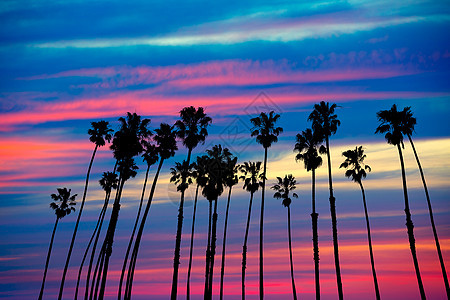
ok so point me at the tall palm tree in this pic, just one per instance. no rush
(282, 189)
(408, 123)
(308, 148)
(252, 177)
(266, 134)
(165, 138)
(192, 129)
(231, 180)
(356, 170)
(199, 174)
(150, 156)
(63, 205)
(98, 134)
(391, 123)
(325, 121)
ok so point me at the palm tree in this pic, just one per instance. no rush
(98, 134)
(325, 121)
(150, 156)
(63, 205)
(231, 180)
(199, 174)
(408, 123)
(192, 129)
(283, 188)
(356, 170)
(165, 139)
(252, 178)
(308, 149)
(266, 134)
(391, 123)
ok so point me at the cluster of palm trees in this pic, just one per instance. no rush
(212, 173)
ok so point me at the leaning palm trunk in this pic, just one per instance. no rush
(314, 217)
(208, 252)
(133, 259)
(222, 268)
(66, 266)
(334, 225)
(244, 248)
(430, 211)
(374, 274)
(41, 293)
(410, 227)
(294, 291)
(188, 284)
(261, 231)
(213, 249)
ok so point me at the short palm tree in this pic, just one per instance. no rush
(325, 121)
(63, 205)
(282, 191)
(391, 124)
(98, 134)
(266, 134)
(308, 148)
(252, 177)
(356, 170)
(231, 180)
(192, 129)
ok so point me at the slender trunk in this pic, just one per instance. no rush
(294, 291)
(130, 243)
(97, 274)
(176, 257)
(244, 248)
(41, 293)
(410, 227)
(208, 251)
(191, 248)
(261, 231)
(369, 238)
(213, 249)
(222, 268)
(334, 225)
(433, 226)
(66, 266)
(133, 259)
(314, 217)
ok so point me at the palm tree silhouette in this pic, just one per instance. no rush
(150, 156)
(266, 134)
(192, 129)
(325, 121)
(308, 148)
(391, 123)
(408, 123)
(199, 174)
(356, 170)
(252, 177)
(231, 180)
(165, 138)
(63, 205)
(283, 188)
(98, 134)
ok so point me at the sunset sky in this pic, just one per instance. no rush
(64, 64)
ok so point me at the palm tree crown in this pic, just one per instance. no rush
(323, 118)
(150, 154)
(251, 175)
(354, 161)
(63, 202)
(192, 128)
(216, 166)
(395, 124)
(181, 175)
(308, 147)
(108, 181)
(100, 132)
(283, 187)
(264, 128)
(165, 139)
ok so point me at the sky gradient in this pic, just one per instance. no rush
(64, 64)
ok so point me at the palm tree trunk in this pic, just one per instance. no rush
(375, 281)
(430, 211)
(133, 259)
(188, 284)
(176, 257)
(314, 217)
(41, 293)
(130, 243)
(222, 268)
(334, 225)
(244, 248)
(213, 249)
(410, 227)
(261, 231)
(294, 291)
(208, 253)
(66, 266)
